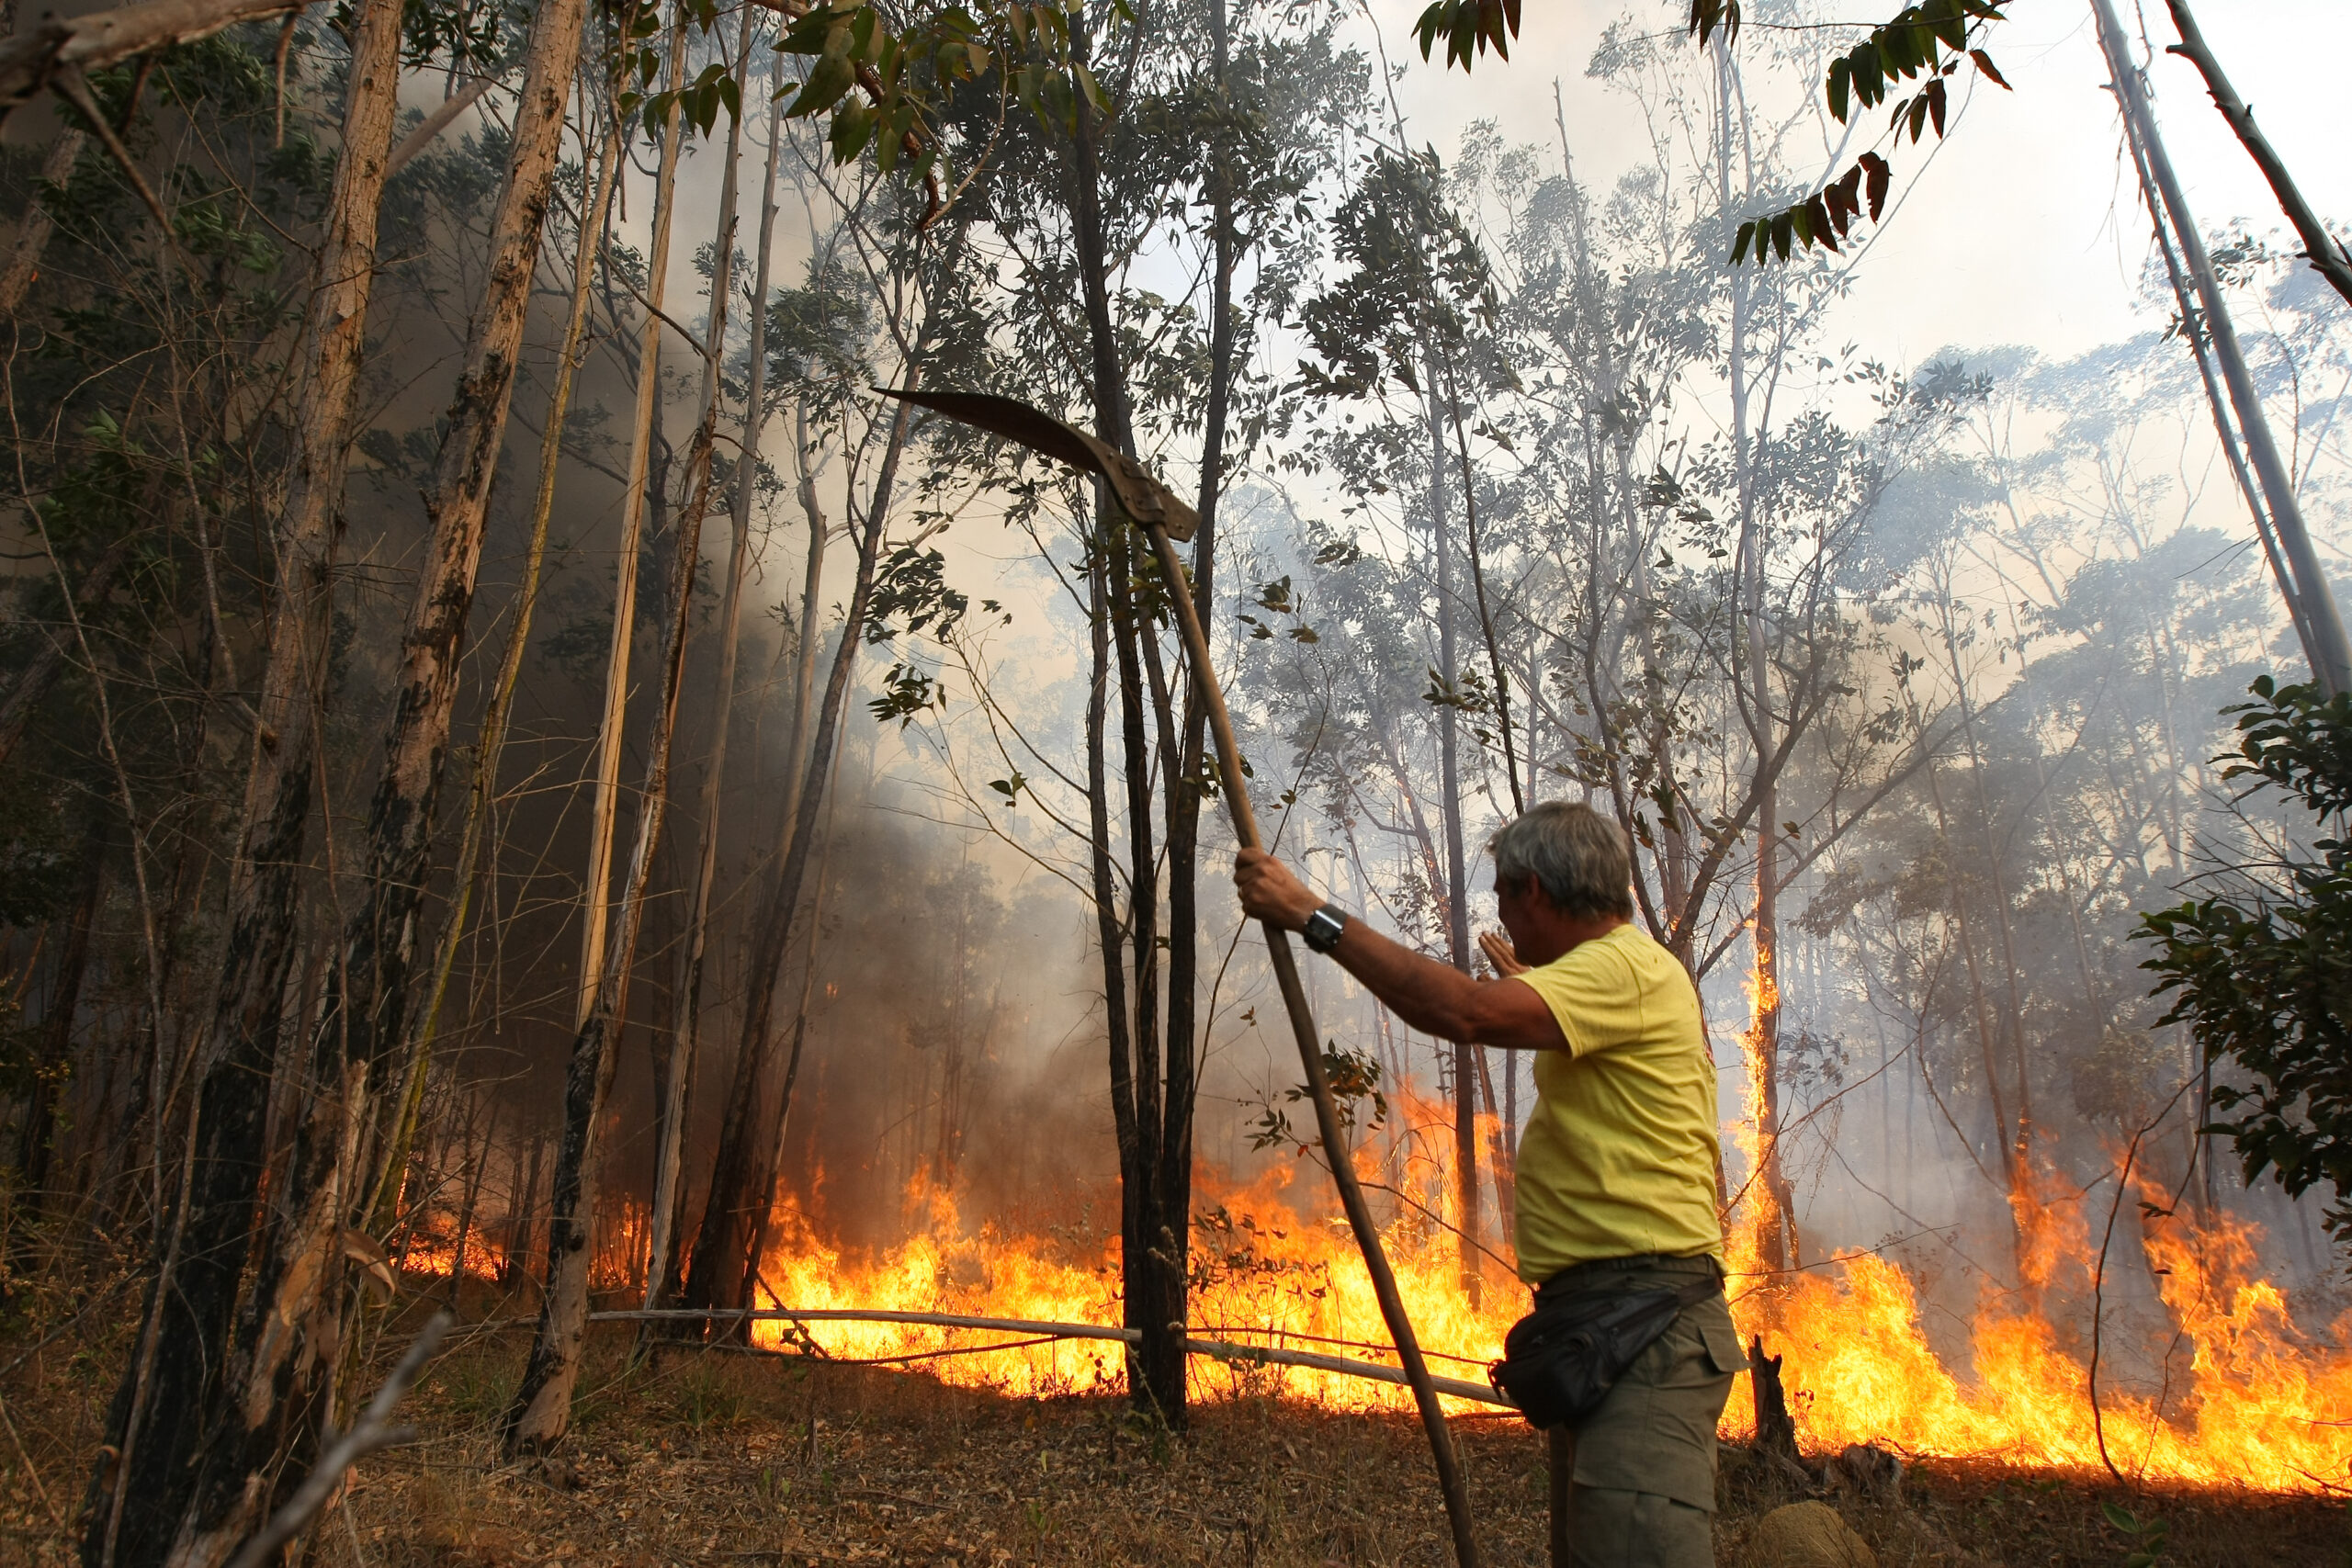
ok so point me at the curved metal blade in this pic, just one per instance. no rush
(1142, 496)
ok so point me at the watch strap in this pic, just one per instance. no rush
(1324, 928)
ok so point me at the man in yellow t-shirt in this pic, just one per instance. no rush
(1616, 1172)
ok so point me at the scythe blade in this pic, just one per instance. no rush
(1140, 495)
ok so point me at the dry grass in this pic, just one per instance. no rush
(745, 1463)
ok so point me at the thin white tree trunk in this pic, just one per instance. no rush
(687, 992)
(542, 1409)
(2333, 664)
(596, 911)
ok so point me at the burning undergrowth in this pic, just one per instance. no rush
(2191, 1367)
(2210, 1380)
(703, 1459)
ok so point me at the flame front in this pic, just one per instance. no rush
(2250, 1401)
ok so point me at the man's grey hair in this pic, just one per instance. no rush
(1577, 855)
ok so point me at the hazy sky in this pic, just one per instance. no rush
(2011, 234)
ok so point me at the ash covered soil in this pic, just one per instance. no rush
(733, 1460)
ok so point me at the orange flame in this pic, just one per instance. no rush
(432, 1250)
(2247, 1400)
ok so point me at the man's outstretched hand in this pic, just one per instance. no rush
(1269, 891)
(1501, 953)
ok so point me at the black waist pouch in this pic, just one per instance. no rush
(1562, 1359)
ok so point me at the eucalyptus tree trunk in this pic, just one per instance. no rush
(280, 1385)
(807, 643)
(1147, 1122)
(1173, 1182)
(366, 1009)
(685, 1024)
(541, 1412)
(707, 1283)
(1457, 870)
(1771, 1196)
(198, 1440)
(605, 809)
(2314, 600)
(542, 1409)
(490, 747)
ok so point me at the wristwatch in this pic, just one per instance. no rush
(1323, 928)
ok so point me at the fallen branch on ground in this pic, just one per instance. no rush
(1219, 1349)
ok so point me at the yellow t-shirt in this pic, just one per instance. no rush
(1619, 1157)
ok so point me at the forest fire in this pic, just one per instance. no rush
(2247, 1400)
(551, 694)
(2255, 1404)
(433, 1250)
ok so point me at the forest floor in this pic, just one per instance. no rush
(738, 1461)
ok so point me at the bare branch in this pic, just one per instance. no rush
(32, 62)
(373, 1432)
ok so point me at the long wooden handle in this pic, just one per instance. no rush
(1310, 1055)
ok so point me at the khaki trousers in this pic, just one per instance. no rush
(1634, 1485)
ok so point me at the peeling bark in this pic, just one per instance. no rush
(200, 1470)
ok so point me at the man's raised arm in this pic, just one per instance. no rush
(1434, 997)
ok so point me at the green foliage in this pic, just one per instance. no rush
(887, 86)
(818, 333)
(912, 595)
(1470, 27)
(433, 32)
(1417, 281)
(2261, 972)
(908, 691)
(2148, 1536)
(1928, 40)
(1353, 1077)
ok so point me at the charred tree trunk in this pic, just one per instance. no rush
(201, 1430)
(36, 1138)
(490, 748)
(1152, 1254)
